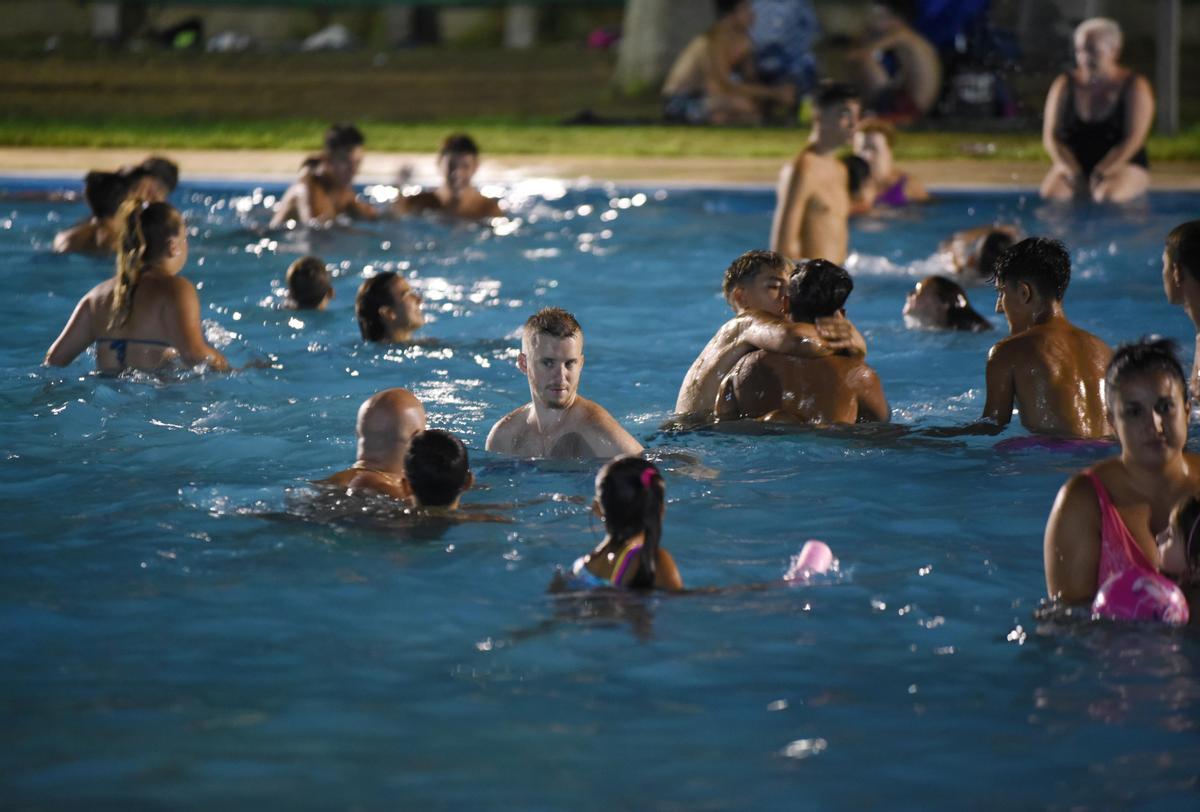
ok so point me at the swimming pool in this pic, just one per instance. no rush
(171, 640)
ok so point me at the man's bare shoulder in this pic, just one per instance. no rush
(504, 433)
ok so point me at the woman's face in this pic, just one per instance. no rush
(1095, 53)
(923, 305)
(1148, 414)
(873, 148)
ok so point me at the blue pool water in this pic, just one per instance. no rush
(172, 638)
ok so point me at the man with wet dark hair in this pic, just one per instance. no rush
(325, 189)
(308, 284)
(104, 193)
(1052, 370)
(1181, 281)
(782, 388)
(387, 308)
(812, 205)
(557, 422)
(755, 287)
(458, 160)
(437, 470)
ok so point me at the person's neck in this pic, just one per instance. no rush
(401, 335)
(1050, 311)
(392, 465)
(548, 419)
(1150, 480)
(824, 142)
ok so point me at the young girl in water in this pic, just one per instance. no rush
(630, 499)
(147, 315)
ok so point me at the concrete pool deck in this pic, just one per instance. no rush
(281, 165)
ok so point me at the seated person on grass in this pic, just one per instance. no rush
(755, 286)
(775, 387)
(458, 160)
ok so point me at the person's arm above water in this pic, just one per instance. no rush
(294, 205)
(1001, 386)
(872, 404)
(1071, 546)
(605, 435)
(75, 336)
(666, 574)
(184, 330)
(360, 209)
(828, 336)
(791, 200)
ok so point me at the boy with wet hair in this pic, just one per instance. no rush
(437, 470)
(781, 388)
(308, 284)
(1181, 281)
(1050, 368)
(557, 422)
(458, 161)
(755, 287)
(104, 193)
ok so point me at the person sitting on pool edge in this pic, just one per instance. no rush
(388, 309)
(782, 388)
(100, 234)
(630, 500)
(325, 189)
(812, 200)
(972, 252)
(755, 287)
(1181, 281)
(308, 286)
(937, 303)
(146, 316)
(1106, 518)
(386, 424)
(437, 470)
(557, 422)
(1052, 370)
(458, 160)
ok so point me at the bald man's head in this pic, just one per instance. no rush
(386, 423)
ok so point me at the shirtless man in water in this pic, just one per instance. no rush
(1051, 369)
(783, 388)
(1181, 281)
(557, 422)
(812, 204)
(386, 424)
(458, 161)
(326, 185)
(755, 287)
(100, 234)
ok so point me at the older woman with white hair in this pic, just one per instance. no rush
(1096, 122)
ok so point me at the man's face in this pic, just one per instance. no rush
(406, 304)
(1094, 52)
(1011, 301)
(1171, 287)
(766, 291)
(458, 168)
(840, 119)
(553, 366)
(344, 165)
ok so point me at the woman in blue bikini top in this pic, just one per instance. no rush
(630, 499)
(146, 315)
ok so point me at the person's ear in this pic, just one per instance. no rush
(736, 295)
(1026, 291)
(387, 313)
(523, 363)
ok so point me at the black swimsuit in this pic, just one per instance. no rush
(1090, 141)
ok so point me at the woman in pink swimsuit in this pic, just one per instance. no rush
(1105, 518)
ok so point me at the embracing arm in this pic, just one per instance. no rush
(1139, 117)
(75, 336)
(765, 331)
(1071, 550)
(184, 330)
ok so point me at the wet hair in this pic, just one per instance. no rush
(959, 313)
(1105, 27)
(858, 172)
(829, 93)
(1183, 247)
(161, 169)
(726, 7)
(743, 270)
(993, 245)
(553, 321)
(878, 125)
(437, 467)
(459, 143)
(1145, 357)
(1186, 520)
(105, 192)
(1041, 262)
(342, 138)
(308, 282)
(818, 288)
(146, 231)
(631, 493)
(373, 294)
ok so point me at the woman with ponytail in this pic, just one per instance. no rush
(147, 315)
(630, 500)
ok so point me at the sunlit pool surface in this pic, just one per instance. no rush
(175, 635)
